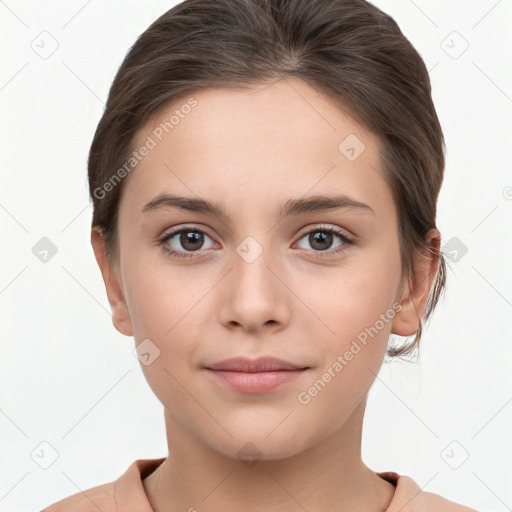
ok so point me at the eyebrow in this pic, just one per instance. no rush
(297, 206)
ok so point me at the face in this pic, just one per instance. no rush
(280, 273)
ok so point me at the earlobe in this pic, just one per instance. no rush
(407, 320)
(121, 319)
(120, 314)
(415, 296)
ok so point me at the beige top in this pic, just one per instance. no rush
(126, 494)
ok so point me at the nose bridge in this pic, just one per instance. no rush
(252, 262)
(255, 295)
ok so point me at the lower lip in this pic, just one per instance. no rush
(256, 382)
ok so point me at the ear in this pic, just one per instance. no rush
(120, 314)
(414, 298)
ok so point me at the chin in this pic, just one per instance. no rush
(255, 444)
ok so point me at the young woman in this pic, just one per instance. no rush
(264, 179)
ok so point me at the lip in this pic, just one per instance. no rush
(255, 375)
(262, 364)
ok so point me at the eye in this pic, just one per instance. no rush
(184, 242)
(321, 240)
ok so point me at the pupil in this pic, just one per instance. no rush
(318, 238)
(189, 240)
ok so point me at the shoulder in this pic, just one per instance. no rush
(411, 498)
(125, 493)
(101, 497)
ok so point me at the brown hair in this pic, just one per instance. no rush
(349, 50)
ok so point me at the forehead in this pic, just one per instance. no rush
(273, 140)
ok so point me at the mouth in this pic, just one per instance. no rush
(255, 376)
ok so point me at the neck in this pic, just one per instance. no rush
(329, 475)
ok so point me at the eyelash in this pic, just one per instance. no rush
(318, 254)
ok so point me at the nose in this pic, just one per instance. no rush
(253, 297)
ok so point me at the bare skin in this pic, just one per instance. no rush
(251, 151)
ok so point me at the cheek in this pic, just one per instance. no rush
(166, 311)
(162, 300)
(354, 299)
(359, 316)
(168, 308)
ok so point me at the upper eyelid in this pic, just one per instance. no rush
(327, 227)
(175, 231)
(195, 227)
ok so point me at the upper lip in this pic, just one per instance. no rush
(262, 364)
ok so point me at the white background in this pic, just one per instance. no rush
(68, 378)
